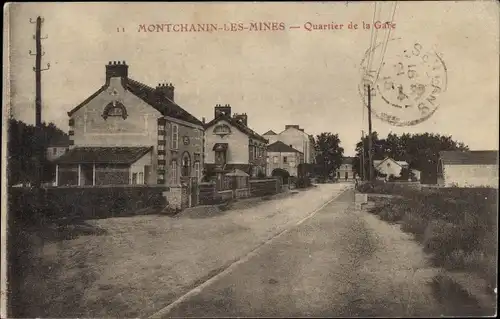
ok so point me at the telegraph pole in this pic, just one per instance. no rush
(39, 151)
(363, 173)
(370, 132)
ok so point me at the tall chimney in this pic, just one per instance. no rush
(222, 110)
(167, 90)
(116, 69)
(242, 118)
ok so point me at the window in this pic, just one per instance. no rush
(275, 160)
(141, 178)
(250, 149)
(197, 170)
(134, 178)
(186, 165)
(54, 150)
(173, 168)
(285, 159)
(161, 147)
(175, 136)
(161, 137)
(267, 159)
(161, 157)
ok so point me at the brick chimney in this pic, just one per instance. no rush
(292, 126)
(166, 89)
(116, 69)
(242, 118)
(222, 109)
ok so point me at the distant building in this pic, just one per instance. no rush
(130, 133)
(298, 138)
(346, 170)
(468, 168)
(57, 148)
(280, 155)
(230, 144)
(389, 166)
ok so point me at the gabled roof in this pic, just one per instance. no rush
(152, 97)
(280, 147)
(241, 127)
(270, 132)
(103, 155)
(469, 157)
(377, 163)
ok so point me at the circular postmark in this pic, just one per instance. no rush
(405, 81)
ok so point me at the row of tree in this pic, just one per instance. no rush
(24, 141)
(420, 151)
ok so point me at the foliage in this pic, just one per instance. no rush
(458, 226)
(329, 153)
(281, 173)
(24, 141)
(420, 151)
(303, 182)
(261, 174)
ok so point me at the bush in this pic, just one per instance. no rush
(303, 182)
(414, 224)
(261, 174)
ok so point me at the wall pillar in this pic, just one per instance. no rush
(93, 175)
(79, 175)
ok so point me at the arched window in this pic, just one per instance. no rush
(186, 164)
(115, 109)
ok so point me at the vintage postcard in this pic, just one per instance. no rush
(250, 159)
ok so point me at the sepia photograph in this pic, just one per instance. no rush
(250, 159)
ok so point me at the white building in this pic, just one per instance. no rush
(280, 155)
(389, 166)
(468, 169)
(298, 139)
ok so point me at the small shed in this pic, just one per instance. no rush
(237, 179)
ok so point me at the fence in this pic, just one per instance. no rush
(209, 194)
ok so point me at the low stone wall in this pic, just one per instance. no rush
(265, 187)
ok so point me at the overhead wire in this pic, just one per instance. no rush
(386, 41)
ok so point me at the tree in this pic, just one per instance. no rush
(24, 141)
(329, 153)
(420, 151)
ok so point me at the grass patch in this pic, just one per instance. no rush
(457, 226)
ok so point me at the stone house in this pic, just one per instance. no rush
(468, 168)
(389, 166)
(280, 155)
(298, 138)
(346, 171)
(130, 133)
(231, 144)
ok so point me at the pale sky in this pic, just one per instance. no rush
(282, 77)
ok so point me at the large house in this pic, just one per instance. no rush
(389, 166)
(130, 133)
(296, 137)
(230, 144)
(468, 168)
(282, 156)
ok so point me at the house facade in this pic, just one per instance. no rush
(468, 169)
(346, 171)
(282, 156)
(230, 144)
(57, 148)
(130, 133)
(389, 166)
(298, 138)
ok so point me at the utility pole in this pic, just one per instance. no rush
(363, 173)
(370, 159)
(39, 151)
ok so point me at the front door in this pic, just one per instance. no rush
(346, 175)
(147, 172)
